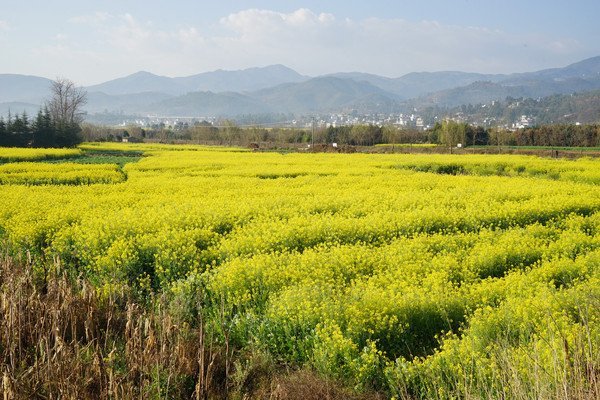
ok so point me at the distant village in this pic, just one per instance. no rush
(510, 114)
(401, 121)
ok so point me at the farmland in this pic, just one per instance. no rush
(406, 275)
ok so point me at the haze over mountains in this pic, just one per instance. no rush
(278, 89)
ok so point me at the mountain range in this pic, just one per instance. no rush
(279, 89)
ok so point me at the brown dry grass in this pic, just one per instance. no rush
(57, 341)
(308, 385)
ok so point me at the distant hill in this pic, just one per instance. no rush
(140, 82)
(216, 81)
(581, 108)
(208, 104)
(486, 92)
(586, 69)
(240, 81)
(24, 88)
(17, 107)
(279, 89)
(417, 84)
(99, 102)
(579, 77)
(585, 108)
(317, 94)
(209, 93)
(321, 94)
(451, 88)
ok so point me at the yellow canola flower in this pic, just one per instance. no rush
(419, 263)
(11, 154)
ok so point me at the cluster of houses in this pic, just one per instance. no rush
(398, 120)
(523, 122)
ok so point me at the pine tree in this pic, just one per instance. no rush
(43, 130)
(21, 133)
(4, 138)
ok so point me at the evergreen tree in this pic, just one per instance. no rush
(43, 130)
(66, 134)
(21, 133)
(4, 137)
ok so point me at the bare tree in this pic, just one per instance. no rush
(66, 101)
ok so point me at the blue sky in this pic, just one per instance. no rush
(91, 42)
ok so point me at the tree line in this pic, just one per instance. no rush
(563, 135)
(42, 131)
(58, 124)
(227, 132)
(452, 133)
(447, 133)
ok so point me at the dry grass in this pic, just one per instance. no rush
(308, 385)
(57, 341)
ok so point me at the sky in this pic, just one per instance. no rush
(90, 42)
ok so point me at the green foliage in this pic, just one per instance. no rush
(549, 110)
(450, 133)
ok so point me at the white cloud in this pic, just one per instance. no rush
(189, 37)
(4, 26)
(255, 21)
(96, 19)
